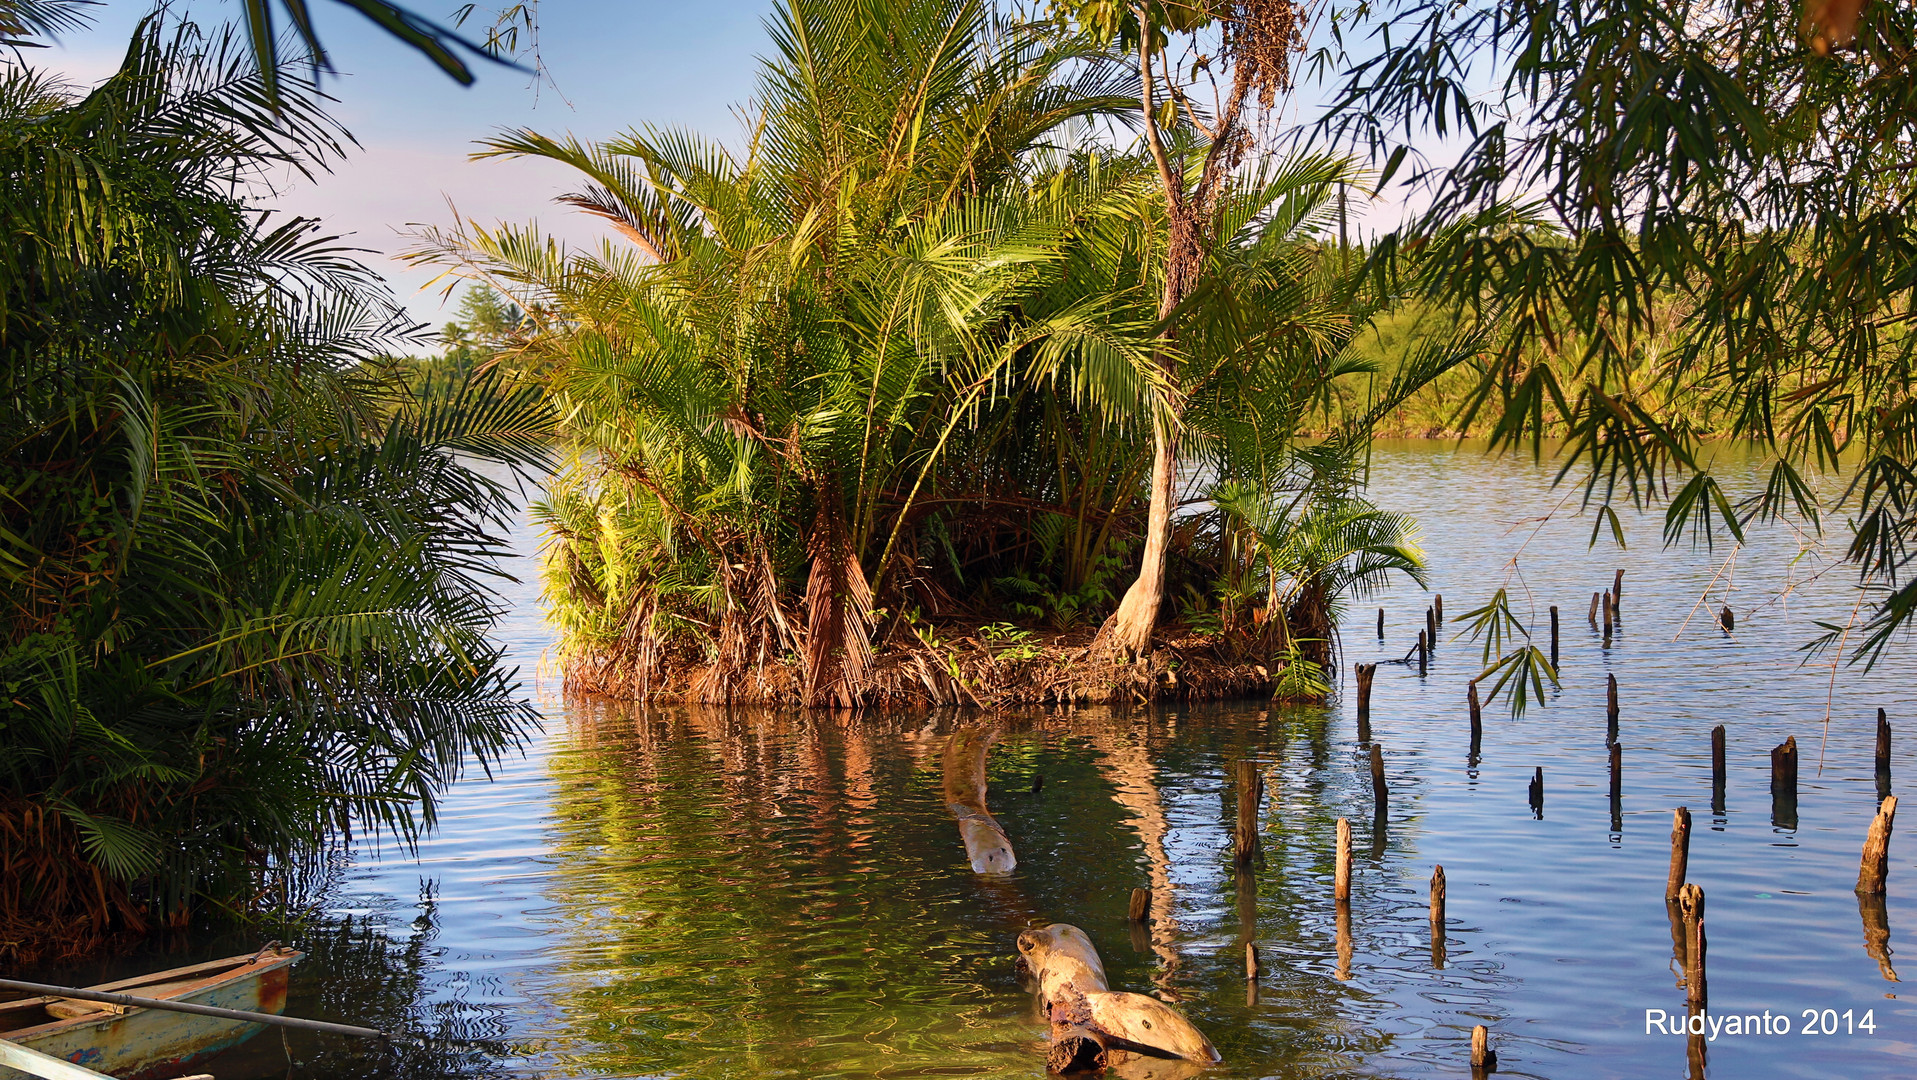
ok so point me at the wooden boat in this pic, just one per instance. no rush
(148, 1044)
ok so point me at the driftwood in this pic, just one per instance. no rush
(1093, 1026)
(985, 842)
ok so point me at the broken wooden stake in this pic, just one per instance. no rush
(1431, 627)
(1784, 768)
(1554, 635)
(1883, 746)
(1341, 881)
(1365, 673)
(1140, 908)
(1592, 615)
(1437, 606)
(1717, 769)
(1251, 794)
(1477, 715)
(1617, 591)
(1537, 791)
(1617, 787)
(1727, 620)
(1609, 614)
(1424, 653)
(1038, 783)
(1874, 871)
(1437, 917)
(1680, 851)
(1380, 795)
(1251, 960)
(1610, 709)
(1483, 1058)
(1380, 624)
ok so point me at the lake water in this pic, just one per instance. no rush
(684, 893)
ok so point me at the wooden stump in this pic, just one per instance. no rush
(1873, 871)
(1883, 744)
(1537, 791)
(1554, 635)
(1437, 606)
(1592, 615)
(1717, 769)
(1727, 620)
(1483, 1058)
(1610, 614)
(1437, 916)
(1365, 674)
(1477, 716)
(1617, 592)
(1139, 910)
(1610, 709)
(1380, 624)
(1784, 784)
(1380, 795)
(1424, 653)
(1680, 851)
(1431, 627)
(1251, 960)
(1251, 794)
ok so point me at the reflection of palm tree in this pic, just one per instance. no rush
(1128, 766)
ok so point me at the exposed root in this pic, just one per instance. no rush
(1043, 669)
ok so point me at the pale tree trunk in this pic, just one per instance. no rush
(1129, 631)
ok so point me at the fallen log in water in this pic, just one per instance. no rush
(985, 842)
(1093, 1026)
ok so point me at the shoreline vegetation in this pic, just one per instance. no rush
(903, 362)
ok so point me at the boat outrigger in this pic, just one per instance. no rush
(136, 1043)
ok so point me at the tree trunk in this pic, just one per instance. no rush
(1129, 631)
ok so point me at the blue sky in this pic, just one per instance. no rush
(616, 65)
(613, 66)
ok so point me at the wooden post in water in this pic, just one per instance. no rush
(1883, 748)
(1140, 908)
(1617, 595)
(1251, 961)
(1380, 624)
(1537, 791)
(1717, 769)
(1038, 782)
(1874, 871)
(1690, 902)
(1784, 784)
(1680, 852)
(1483, 1058)
(1365, 672)
(1593, 614)
(1431, 627)
(1554, 635)
(1610, 709)
(1477, 716)
(1251, 793)
(1726, 619)
(1609, 612)
(1424, 650)
(1437, 606)
(1437, 917)
(1784, 768)
(1341, 882)
(1380, 795)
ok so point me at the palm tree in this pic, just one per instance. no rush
(245, 586)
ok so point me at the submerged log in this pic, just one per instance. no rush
(985, 842)
(1086, 1014)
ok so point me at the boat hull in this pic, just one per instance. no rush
(151, 1044)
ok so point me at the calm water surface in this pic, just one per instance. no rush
(686, 893)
